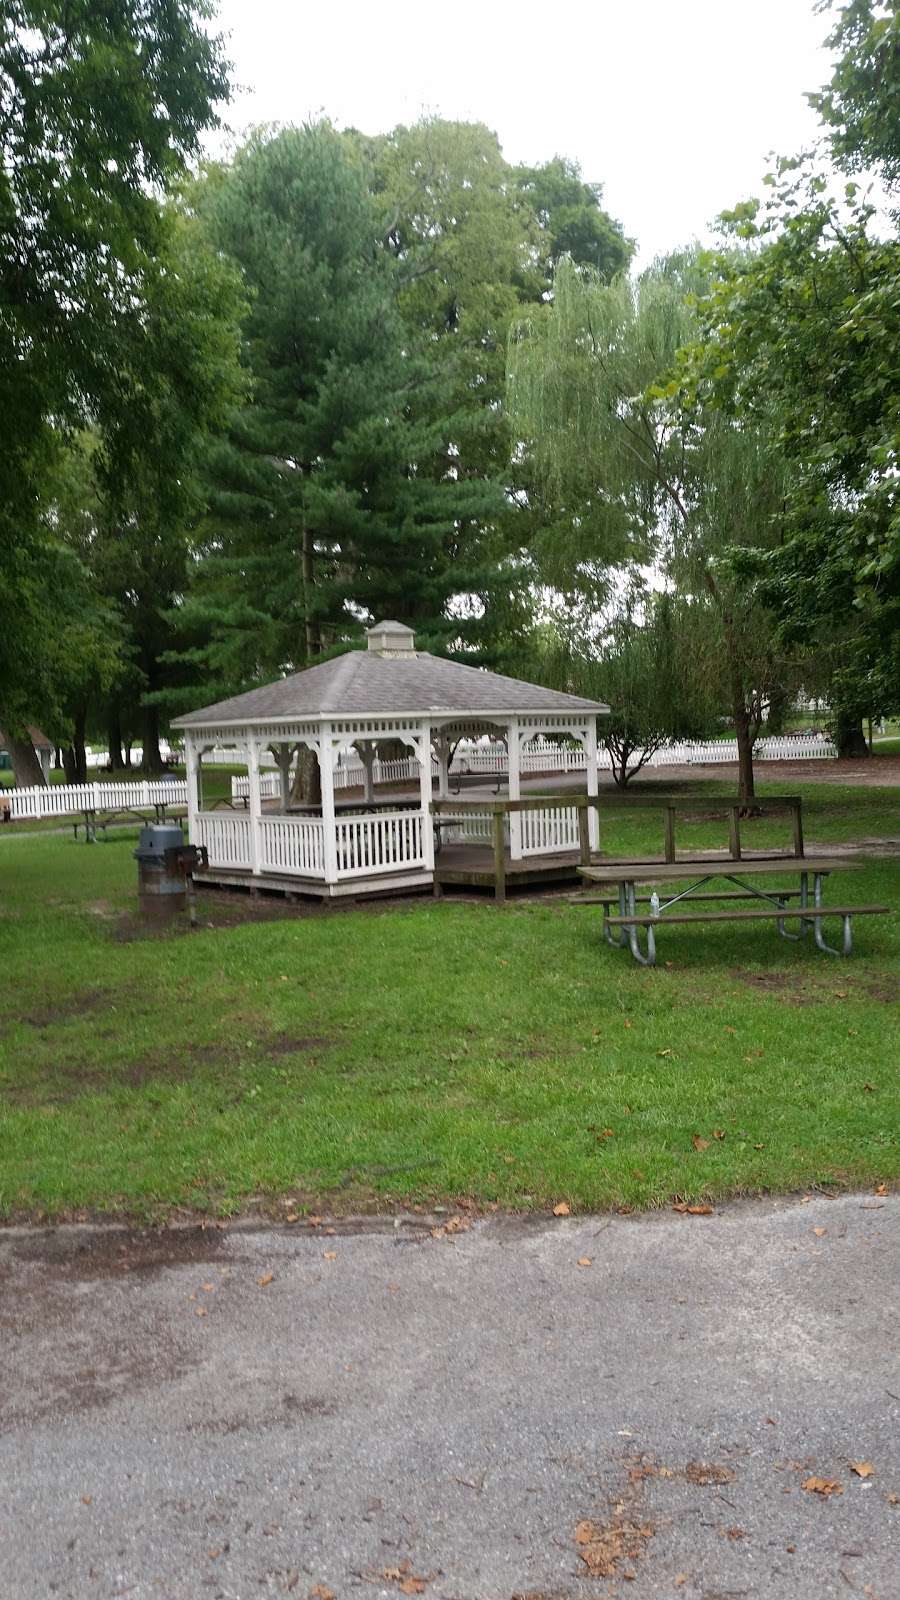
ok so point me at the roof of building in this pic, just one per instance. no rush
(387, 683)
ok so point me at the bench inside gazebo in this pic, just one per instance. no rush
(382, 843)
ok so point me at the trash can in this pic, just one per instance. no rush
(161, 879)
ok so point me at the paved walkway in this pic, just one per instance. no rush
(474, 1416)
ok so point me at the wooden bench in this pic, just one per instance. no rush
(810, 915)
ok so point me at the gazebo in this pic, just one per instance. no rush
(389, 692)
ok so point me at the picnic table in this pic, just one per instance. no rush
(94, 818)
(616, 883)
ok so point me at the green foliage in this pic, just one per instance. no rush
(639, 474)
(803, 327)
(369, 471)
(861, 104)
(100, 108)
(571, 216)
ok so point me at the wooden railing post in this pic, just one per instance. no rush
(734, 832)
(584, 836)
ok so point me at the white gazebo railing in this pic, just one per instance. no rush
(379, 842)
(550, 832)
(225, 836)
(293, 844)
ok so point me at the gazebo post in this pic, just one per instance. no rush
(326, 775)
(192, 771)
(593, 782)
(423, 751)
(255, 798)
(515, 817)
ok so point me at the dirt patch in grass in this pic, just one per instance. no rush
(286, 1044)
(790, 987)
(76, 1005)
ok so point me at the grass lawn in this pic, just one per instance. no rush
(425, 1051)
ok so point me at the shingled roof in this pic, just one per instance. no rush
(379, 682)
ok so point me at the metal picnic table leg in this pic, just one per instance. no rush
(804, 927)
(847, 940)
(621, 935)
(648, 960)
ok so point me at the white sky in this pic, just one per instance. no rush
(673, 105)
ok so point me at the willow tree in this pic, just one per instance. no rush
(635, 476)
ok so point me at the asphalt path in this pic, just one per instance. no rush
(664, 1405)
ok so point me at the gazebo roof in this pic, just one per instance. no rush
(391, 678)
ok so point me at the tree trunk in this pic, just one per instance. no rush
(307, 790)
(29, 774)
(127, 754)
(746, 779)
(152, 762)
(57, 758)
(313, 639)
(114, 738)
(849, 736)
(78, 748)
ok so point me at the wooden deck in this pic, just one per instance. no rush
(473, 867)
(457, 866)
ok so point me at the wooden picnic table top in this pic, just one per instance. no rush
(718, 866)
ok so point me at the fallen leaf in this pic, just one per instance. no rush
(665, 1053)
(820, 1232)
(627, 1023)
(200, 1311)
(840, 994)
(606, 1133)
(585, 1261)
(214, 1554)
(736, 1533)
(207, 1288)
(602, 1548)
(624, 1211)
(822, 1486)
(704, 1473)
(880, 1188)
(329, 1255)
(718, 1133)
(680, 1577)
(692, 1211)
(315, 1222)
(562, 1210)
(292, 1216)
(698, 1142)
(86, 1499)
(892, 1499)
(266, 1278)
(320, 1591)
(863, 1469)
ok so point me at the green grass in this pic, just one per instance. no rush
(425, 1051)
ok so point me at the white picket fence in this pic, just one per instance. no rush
(69, 799)
(542, 755)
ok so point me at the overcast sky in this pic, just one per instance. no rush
(673, 105)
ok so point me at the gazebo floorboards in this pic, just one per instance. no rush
(467, 865)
